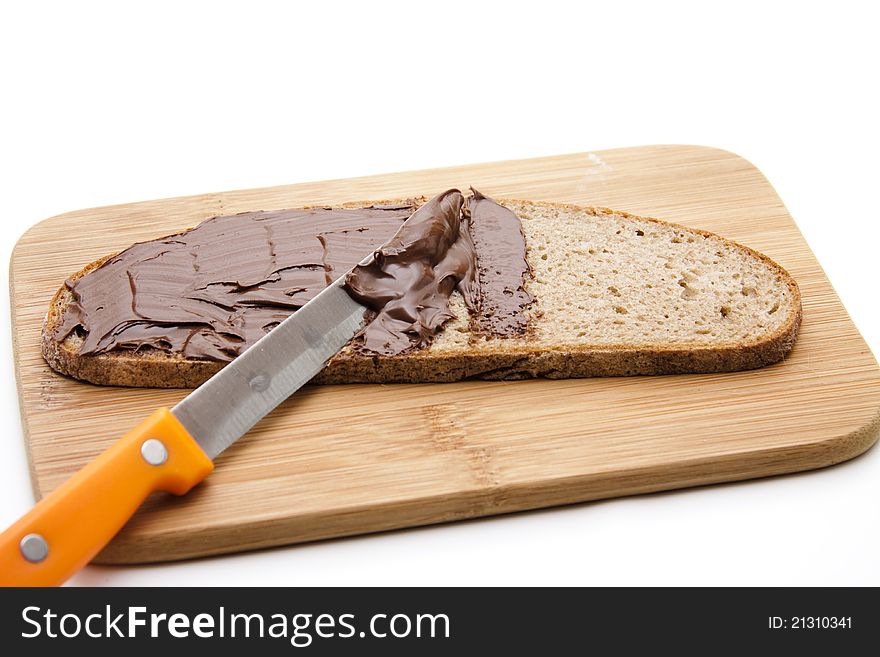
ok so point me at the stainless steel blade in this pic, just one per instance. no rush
(228, 404)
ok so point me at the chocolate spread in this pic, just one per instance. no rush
(502, 267)
(212, 291)
(408, 282)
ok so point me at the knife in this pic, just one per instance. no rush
(173, 450)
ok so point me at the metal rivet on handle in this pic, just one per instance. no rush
(154, 452)
(34, 548)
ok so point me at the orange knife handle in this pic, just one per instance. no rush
(68, 527)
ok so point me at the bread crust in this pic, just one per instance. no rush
(156, 369)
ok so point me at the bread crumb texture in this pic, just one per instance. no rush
(603, 278)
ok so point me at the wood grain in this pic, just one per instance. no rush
(342, 460)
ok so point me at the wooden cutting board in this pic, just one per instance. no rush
(341, 460)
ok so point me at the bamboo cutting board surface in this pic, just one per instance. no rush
(342, 460)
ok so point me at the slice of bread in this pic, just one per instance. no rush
(615, 295)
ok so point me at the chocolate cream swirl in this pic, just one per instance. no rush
(475, 246)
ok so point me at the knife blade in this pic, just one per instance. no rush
(270, 371)
(173, 450)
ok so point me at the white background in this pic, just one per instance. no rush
(107, 103)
